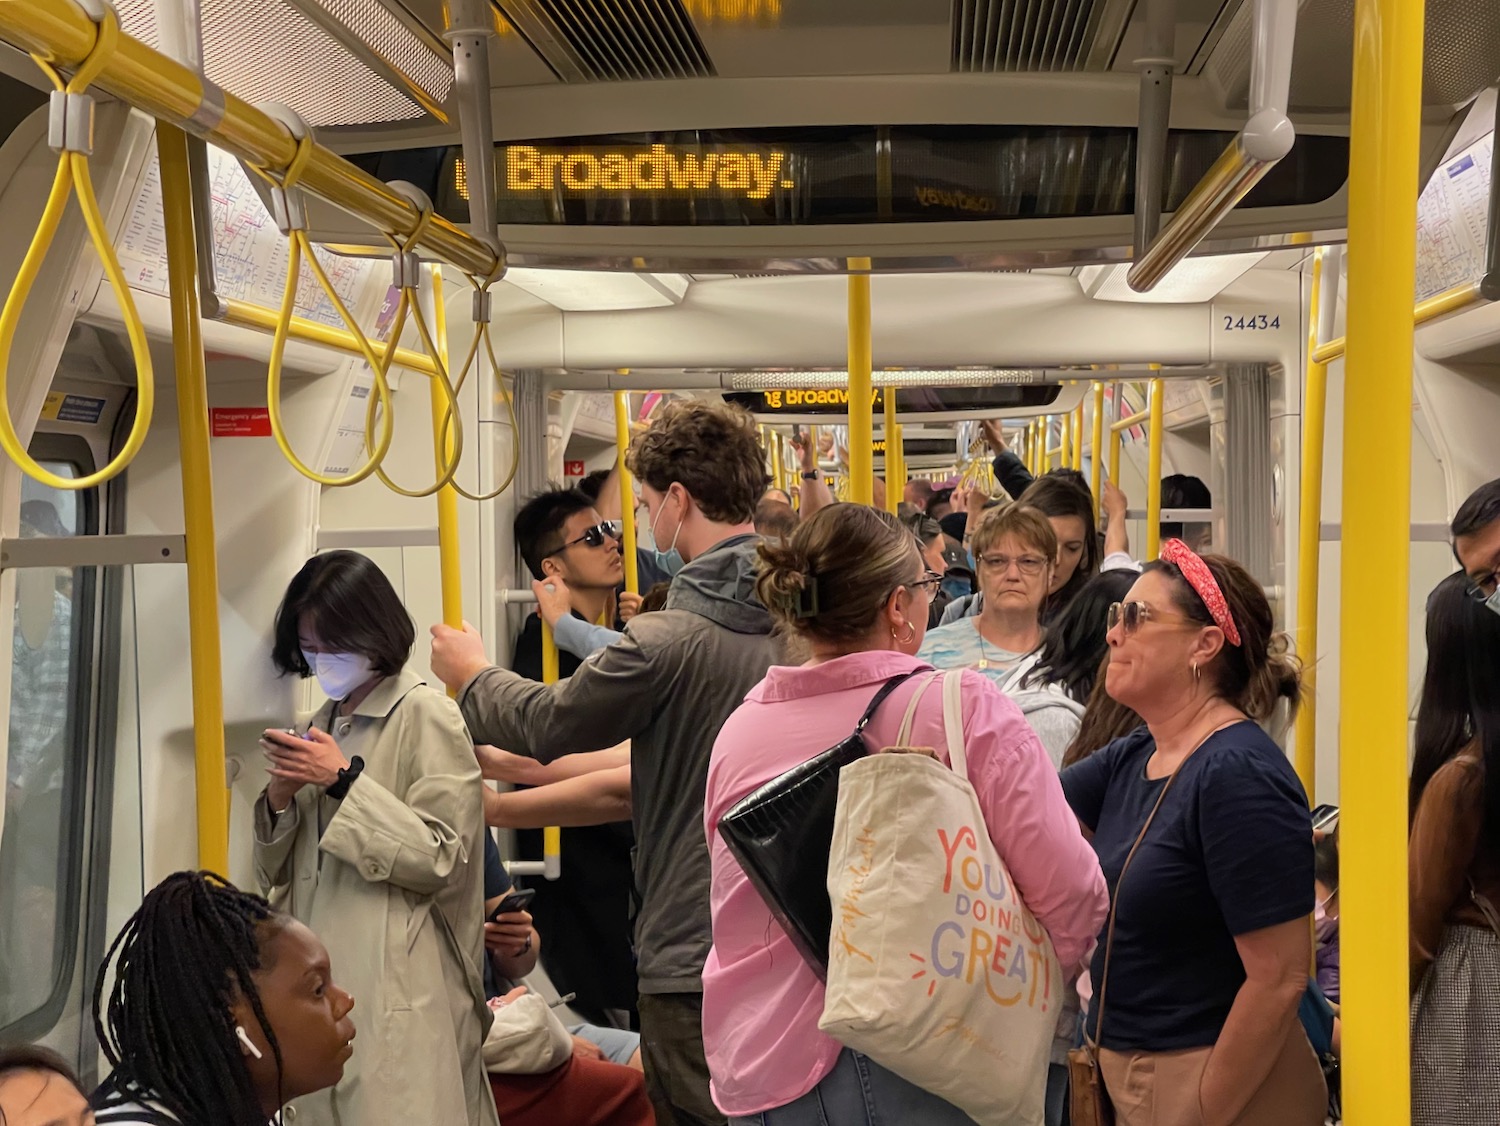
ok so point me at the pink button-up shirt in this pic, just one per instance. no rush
(761, 1003)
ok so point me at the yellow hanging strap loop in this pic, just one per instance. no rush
(482, 336)
(291, 218)
(71, 136)
(408, 277)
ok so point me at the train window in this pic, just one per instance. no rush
(42, 841)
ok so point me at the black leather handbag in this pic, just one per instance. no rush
(781, 835)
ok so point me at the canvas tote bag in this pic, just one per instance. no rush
(936, 971)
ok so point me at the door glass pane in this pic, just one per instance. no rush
(42, 766)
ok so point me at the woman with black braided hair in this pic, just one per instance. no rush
(222, 1011)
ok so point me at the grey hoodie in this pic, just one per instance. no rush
(668, 686)
(1052, 713)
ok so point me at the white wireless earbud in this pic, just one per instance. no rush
(244, 1037)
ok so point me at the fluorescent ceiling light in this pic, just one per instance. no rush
(582, 291)
(955, 377)
(1191, 281)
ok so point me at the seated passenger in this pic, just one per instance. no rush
(1326, 913)
(222, 1011)
(1016, 551)
(538, 1079)
(1454, 857)
(39, 1088)
(369, 830)
(774, 519)
(761, 1001)
(1211, 943)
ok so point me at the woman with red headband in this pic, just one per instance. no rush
(1204, 835)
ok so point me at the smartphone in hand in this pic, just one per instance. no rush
(515, 901)
(1325, 818)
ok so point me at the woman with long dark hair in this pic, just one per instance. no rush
(222, 1010)
(1454, 865)
(1074, 645)
(1063, 497)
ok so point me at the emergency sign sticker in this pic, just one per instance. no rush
(240, 422)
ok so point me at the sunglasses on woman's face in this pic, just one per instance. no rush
(597, 536)
(1132, 614)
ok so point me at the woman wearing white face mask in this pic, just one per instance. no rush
(369, 832)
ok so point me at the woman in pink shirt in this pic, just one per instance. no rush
(770, 1065)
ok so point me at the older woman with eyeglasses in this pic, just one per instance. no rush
(1204, 835)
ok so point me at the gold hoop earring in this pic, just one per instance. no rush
(911, 635)
(1197, 673)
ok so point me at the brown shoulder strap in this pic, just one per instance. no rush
(1109, 937)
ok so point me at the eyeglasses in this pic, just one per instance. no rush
(930, 581)
(1483, 588)
(1027, 564)
(597, 536)
(1132, 614)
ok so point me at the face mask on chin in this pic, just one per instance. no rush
(1323, 926)
(339, 674)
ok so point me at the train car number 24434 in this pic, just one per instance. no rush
(1253, 322)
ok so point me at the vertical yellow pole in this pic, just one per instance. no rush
(778, 461)
(450, 559)
(211, 792)
(1096, 448)
(1309, 539)
(1064, 433)
(895, 473)
(1078, 437)
(861, 394)
(1385, 119)
(1116, 441)
(627, 494)
(1153, 471)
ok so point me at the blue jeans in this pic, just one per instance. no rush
(859, 1092)
(1057, 1094)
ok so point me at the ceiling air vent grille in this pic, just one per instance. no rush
(612, 40)
(1035, 35)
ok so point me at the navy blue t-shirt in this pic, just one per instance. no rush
(1231, 852)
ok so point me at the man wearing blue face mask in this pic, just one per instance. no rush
(667, 686)
(1476, 543)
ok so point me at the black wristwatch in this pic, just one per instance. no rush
(812, 476)
(346, 778)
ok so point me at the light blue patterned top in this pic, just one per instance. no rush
(959, 646)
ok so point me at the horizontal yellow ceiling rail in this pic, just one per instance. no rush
(62, 32)
(1129, 421)
(242, 314)
(1449, 301)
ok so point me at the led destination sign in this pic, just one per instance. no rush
(657, 168)
(804, 401)
(847, 174)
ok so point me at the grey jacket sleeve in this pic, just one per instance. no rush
(274, 842)
(611, 698)
(1012, 474)
(582, 639)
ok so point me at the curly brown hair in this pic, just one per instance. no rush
(712, 449)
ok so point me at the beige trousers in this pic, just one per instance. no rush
(1161, 1088)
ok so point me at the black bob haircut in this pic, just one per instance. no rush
(33, 1057)
(352, 608)
(1478, 512)
(539, 524)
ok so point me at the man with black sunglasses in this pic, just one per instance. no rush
(1476, 543)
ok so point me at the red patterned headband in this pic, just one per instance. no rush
(1204, 585)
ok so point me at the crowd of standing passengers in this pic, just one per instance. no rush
(1113, 716)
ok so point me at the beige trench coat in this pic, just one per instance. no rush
(392, 880)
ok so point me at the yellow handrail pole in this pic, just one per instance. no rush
(627, 494)
(197, 503)
(1385, 135)
(62, 32)
(243, 314)
(778, 461)
(450, 556)
(551, 834)
(1078, 437)
(893, 487)
(1064, 433)
(1309, 539)
(1153, 470)
(1438, 305)
(861, 393)
(1096, 448)
(1130, 421)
